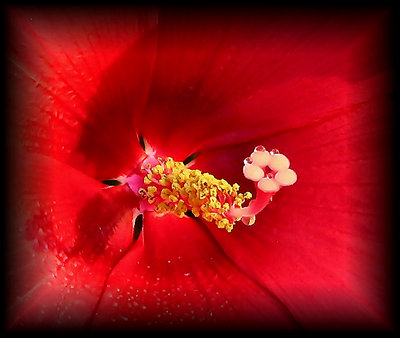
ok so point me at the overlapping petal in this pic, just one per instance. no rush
(322, 245)
(75, 99)
(177, 277)
(332, 237)
(66, 233)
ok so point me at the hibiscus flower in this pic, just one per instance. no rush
(98, 97)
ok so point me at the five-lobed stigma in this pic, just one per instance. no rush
(166, 186)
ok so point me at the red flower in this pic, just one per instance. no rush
(83, 83)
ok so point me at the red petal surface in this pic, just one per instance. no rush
(310, 84)
(321, 246)
(176, 276)
(65, 235)
(238, 77)
(81, 75)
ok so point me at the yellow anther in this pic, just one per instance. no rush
(223, 223)
(173, 198)
(148, 179)
(164, 180)
(204, 207)
(161, 207)
(213, 192)
(202, 194)
(183, 177)
(214, 203)
(195, 211)
(229, 227)
(178, 167)
(165, 193)
(176, 187)
(216, 217)
(180, 208)
(195, 173)
(157, 170)
(207, 217)
(172, 178)
(142, 193)
(184, 193)
(169, 163)
(151, 190)
(239, 200)
(247, 195)
(224, 183)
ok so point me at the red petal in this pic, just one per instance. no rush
(321, 245)
(79, 77)
(176, 276)
(224, 79)
(65, 234)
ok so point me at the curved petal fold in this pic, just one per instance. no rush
(81, 77)
(321, 246)
(65, 233)
(177, 277)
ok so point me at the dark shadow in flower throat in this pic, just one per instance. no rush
(190, 214)
(141, 142)
(111, 182)
(137, 229)
(190, 158)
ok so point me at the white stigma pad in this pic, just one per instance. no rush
(279, 162)
(268, 185)
(253, 172)
(286, 177)
(261, 158)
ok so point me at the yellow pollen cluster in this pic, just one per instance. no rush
(172, 187)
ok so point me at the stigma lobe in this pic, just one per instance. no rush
(269, 171)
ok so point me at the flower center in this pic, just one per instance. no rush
(166, 186)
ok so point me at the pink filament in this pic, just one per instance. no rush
(255, 206)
